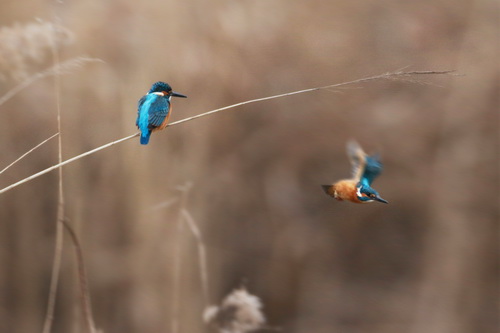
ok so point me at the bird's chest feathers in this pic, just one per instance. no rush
(346, 190)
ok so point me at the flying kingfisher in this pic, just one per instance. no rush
(365, 169)
(154, 109)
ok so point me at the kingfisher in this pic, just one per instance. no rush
(154, 109)
(358, 188)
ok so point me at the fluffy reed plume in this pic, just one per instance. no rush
(66, 67)
(239, 312)
(24, 45)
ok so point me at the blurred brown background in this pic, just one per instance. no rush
(427, 262)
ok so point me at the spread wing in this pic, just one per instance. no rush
(139, 106)
(373, 168)
(364, 168)
(357, 157)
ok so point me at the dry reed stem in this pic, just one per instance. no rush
(90, 152)
(54, 278)
(403, 76)
(82, 279)
(59, 239)
(176, 272)
(386, 76)
(202, 254)
(28, 152)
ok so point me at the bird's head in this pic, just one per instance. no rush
(165, 89)
(368, 194)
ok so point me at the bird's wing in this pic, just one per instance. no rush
(358, 160)
(157, 111)
(373, 167)
(139, 106)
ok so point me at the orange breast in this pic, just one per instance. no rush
(346, 190)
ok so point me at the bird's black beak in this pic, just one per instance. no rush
(381, 200)
(176, 94)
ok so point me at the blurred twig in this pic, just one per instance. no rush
(185, 217)
(177, 260)
(202, 254)
(164, 204)
(82, 279)
(27, 153)
(403, 76)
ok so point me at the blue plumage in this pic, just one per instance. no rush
(373, 168)
(153, 110)
(365, 169)
(358, 188)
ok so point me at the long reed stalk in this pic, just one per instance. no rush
(82, 280)
(28, 152)
(59, 239)
(398, 75)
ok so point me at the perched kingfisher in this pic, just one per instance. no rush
(154, 109)
(364, 170)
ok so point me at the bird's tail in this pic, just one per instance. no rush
(327, 189)
(145, 137)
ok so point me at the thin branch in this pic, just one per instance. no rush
(28, 152)
(82, 279)
(386, 76)
(59, 239)
(54, 280)
(176, 271)
(90, 152)
(58, 69)
(164, 204)
(202, 254)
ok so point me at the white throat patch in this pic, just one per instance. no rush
(358, 193)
